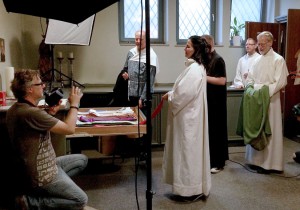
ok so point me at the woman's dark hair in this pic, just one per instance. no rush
(202, 50)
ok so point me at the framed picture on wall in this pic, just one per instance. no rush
(2, 50)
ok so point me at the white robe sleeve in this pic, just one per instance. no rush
(280, 76)
(185, 88)
(238, 80)
(270, 70)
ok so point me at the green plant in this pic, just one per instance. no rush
(236, 28)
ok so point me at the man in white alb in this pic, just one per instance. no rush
(269, 69)
(245, 63)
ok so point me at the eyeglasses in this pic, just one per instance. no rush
(262, 44)
(38, 84)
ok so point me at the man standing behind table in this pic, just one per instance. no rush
(217, 109)
(45, 177)
(245, 63)
(269, 69)
(135, 71)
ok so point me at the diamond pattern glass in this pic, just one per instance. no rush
(245, 10)
(194, 18)
(133, 14)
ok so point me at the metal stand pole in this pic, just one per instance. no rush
(71, 72)
(52, 71)
(60, 59)
(149, 192)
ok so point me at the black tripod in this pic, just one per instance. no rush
(54, 71)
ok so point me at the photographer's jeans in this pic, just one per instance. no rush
(62, 192)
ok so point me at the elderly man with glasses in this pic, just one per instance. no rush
(268, 72)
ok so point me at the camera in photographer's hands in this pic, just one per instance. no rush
(53, 98)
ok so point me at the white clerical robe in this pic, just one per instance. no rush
(243, 68)
(186, 161)
(271, 70)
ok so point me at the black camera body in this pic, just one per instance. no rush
(54, 97)
(296, 109)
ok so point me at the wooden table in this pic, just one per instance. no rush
(112, 130)
(131, 131)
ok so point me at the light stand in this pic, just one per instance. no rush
(71, 67)
(61, 75)
(149, 192)
(53, 70)
(60, 59)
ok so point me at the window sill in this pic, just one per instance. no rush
(231, 46)
(152, 44)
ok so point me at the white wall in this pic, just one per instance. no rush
(100, 62)
(284, 5)
(10, 26)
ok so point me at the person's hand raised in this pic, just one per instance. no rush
(75, 96)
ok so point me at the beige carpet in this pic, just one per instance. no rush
(89, 208)
(236, 187)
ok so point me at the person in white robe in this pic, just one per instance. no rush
(245, 63)
(269, 69)
(186, 160)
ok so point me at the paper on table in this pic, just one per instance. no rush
(104, 113)
(122, 111)
(81, 124)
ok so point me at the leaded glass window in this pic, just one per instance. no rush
(194, 17)
(132, 12)
(245, 10)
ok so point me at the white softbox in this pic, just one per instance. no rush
(60, 32)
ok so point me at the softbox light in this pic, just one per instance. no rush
(60, 32)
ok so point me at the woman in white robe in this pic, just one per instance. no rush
(269, 69)
(186, 161)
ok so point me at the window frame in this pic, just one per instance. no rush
(213, 22)
(262, 16)
(161, 24)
